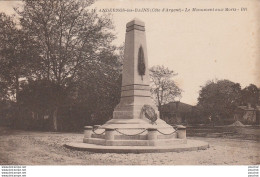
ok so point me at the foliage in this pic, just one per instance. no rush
(219, 99)
(3, 90)
(59, 57)
(37, 99)
(99, 87)
(41, 95)
(68, 35)
(17, 56)
(6, 112)
(251, 94)
(163, 88)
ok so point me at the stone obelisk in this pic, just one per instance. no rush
(134, 127)
(135, 90)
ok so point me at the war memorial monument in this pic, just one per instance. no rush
(136, 126)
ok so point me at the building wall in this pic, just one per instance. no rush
(246, 116)
(249, 117)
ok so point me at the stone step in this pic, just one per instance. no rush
(136, 137)
(191, 145)
(160, 142)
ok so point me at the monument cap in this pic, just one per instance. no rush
(135, 21)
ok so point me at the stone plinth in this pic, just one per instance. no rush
(181, 132)
(88, 131)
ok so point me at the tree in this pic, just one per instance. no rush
(163, 88)
(17, 56)
(99, 86)
(38, 98)
(220, 98)
(70, 39)
(251, 95)
(68, 36)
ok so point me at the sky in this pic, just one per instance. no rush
(199, 46)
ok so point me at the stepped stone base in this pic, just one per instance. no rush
(136, 140)
(161, 142)
(191, 145)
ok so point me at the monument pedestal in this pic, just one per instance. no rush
(135, 126)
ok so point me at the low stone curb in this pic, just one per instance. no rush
(192, 145)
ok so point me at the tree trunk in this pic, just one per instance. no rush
(55, 119)
(16, 86)
(159, 109)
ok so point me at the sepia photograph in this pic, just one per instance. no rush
(119, 83)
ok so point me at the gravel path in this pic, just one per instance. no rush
(38, 148)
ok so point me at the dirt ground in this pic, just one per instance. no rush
(46, 148)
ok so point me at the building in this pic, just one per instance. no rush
(248, 114)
